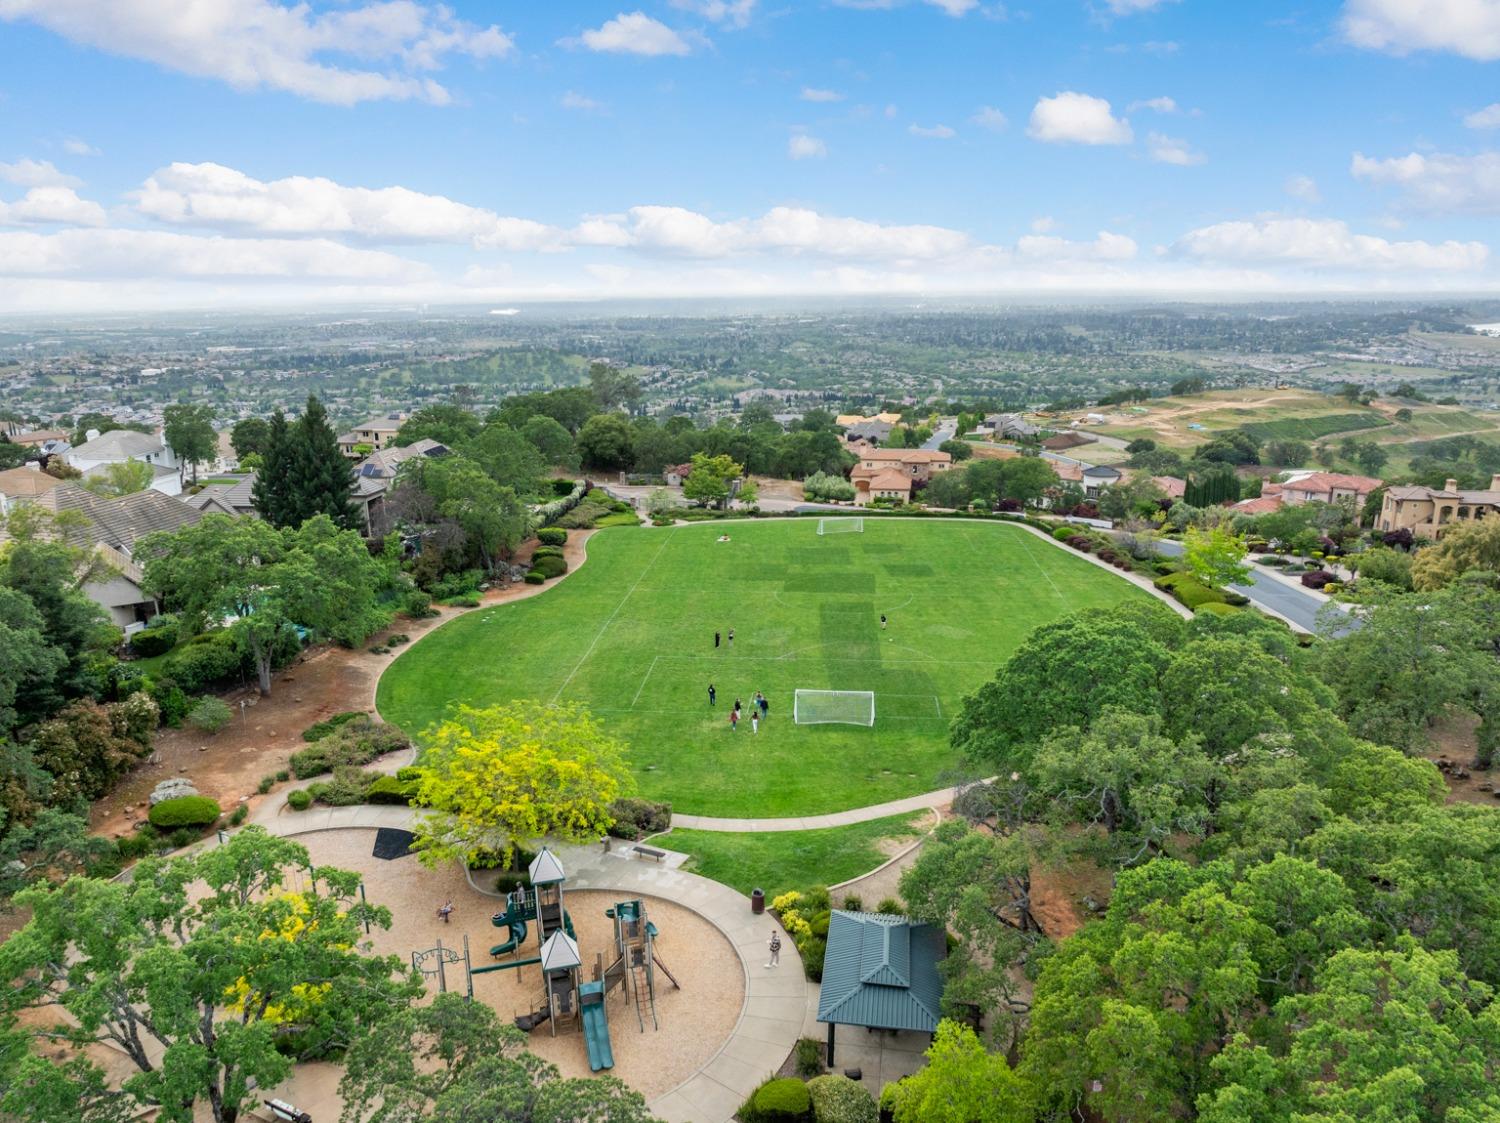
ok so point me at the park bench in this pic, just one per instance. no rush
(650, 852)
(284, 1112)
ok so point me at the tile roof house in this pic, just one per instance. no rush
(874, 432)
(890, 473)
(377, 432)
(1429, 512)
(18, 485)
(880, 972)
(366, 493)
(1171, 485)
(120, 445)
(384, 464)
(1327, 487)
(113, 527)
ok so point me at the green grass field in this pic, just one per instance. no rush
(630, 634)
(780, 860)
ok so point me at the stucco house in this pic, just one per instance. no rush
(377, 432)
(1428, 512)
(891, 473)
(21, 485)
(1098, 477)
(119, 445)
(1327, 487)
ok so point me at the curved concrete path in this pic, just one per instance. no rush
(925, 802)
(776, 1002)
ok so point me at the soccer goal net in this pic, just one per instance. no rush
(841, 526)
(834, 707)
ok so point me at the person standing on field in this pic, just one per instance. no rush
(712, 694)
(716, 639)
(731, 639)
(734, 720)
(754, 720)
(765, 707)
(882, 621)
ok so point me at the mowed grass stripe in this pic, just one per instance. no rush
(630, 634)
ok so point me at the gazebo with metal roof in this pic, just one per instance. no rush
(881, 972)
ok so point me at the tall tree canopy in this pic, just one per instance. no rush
(189, 429)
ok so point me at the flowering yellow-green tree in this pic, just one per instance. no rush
(509, 775)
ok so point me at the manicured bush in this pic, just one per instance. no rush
(348, 786)
(1318, 578)
(809, 1052)
(535, 577)
(636, 818)
(1213, 609)
(355, 743)
(837, 1099)
(154, 641)
(410, 772)
(210, 715)
(1189, 590)
(1271, 559)
(551, 566)
(890, 907)
(779, 1100)
(240, 813)
(320, 729)
(547, 552)
(266, 784)
(184, 811)
(463, 600)
(553, 535)
(853, 902)
(204, 662)
(299, 799)
(390, 790)
(1063, 533)
(563, 488)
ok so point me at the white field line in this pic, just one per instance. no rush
(642, 687)
(1026, 545)
(611, 619)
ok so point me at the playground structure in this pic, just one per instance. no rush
(635, 963)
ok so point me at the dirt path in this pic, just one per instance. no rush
(266, 731)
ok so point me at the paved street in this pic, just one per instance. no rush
(1298, 606)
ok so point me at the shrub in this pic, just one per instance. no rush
(547, 552)
(820, 923)
(636, 818)
(1318, 578)
(463, 600)
(1189, 590)
(890, 1099)
(550, 566)
(205, 661)
(1271, 559)
(456, 584)
(282, 775)
(853, 902)
(809, 1053)
(1213, 609)
(320, 729)
(184, 811)
(137, 845)
(348, 786)
(154, 641)
(239, 815)
(416, 604)
(210, 715)
(388, 789)
(890, 907)
(410, 772)
(563, 488)
(1063, 533)
(355, 743)
(183, 836)
(837, 1099)
(266, 784)
(554, 535)
(813, 951)
(784, 1099)
(535, 577)
(299, 799)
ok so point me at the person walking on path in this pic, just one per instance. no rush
(754, 720)
(775, 946)
(734, 720)
(731, 639)
(712, 694)
(716, 639)
(882, 621)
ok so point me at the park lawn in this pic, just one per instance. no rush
(631, 635)
(780, 860)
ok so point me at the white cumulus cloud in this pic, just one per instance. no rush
(1170, 150)
(635, 33)
(1323, 244)
(27, 172)
(1437, 182)
(988, 117)
(804, 147)
(267, 44)
(1486, 118)
(51, 205)
(934, 132)
(1074, 118)
(1470, 28)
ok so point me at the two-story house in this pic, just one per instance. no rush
(120, 445)
(370, 436)
(890, 473)
(1429, 511)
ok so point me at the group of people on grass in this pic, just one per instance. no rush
(760, 709)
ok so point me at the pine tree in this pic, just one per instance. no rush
(320, 477)
(270, 492)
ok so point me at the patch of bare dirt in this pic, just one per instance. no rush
(324, 681)
(1453, 747)
(1059, 895)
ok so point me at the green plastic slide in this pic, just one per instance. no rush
(595, 1026)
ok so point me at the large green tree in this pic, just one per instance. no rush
(962, 1083)
(271, 491)
(319, 476)
(605, 442)
(447, 423)
(249, 435)
(493, 519)
(552, 442)
(207, 972)
(508, 457)
(267, 581)
(189, 429)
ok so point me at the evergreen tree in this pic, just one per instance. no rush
(319, 477)
(269, 493)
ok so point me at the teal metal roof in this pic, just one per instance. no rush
(881, 971)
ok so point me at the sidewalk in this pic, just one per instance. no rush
(925, 802)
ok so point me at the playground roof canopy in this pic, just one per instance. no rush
(560, 952)
(881, 972)
(545, 869)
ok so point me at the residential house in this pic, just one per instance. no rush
(21, 485)
(113, 527)
(384, 465)
(377, 433)
(1098, 477)
(874, 433)
(1011, 426)
(891, 473)
(844, 420)
(39, 438)
(1428, 512)
(1171, 486)
(1328, 487)
(366, 495)
(119, 445)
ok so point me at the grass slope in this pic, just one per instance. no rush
(781, 860)
(631, 635)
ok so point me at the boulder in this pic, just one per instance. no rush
(172, 789)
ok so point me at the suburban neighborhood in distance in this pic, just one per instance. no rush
(911, 561)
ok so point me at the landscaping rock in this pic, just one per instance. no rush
(172, 789)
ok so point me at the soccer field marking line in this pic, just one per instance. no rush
(1026, 545)
(642, 687)
(611, 619)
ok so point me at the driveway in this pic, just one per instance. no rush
(944, 432)
(1297, 606)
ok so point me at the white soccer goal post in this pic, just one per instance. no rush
(841, 526)
(834, 707)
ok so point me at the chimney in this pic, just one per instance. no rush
(91, 435)
(1495, 482)
(1451, 485)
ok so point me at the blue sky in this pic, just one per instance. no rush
(374, 151)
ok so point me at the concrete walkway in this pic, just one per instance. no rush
(776, 1002)
(940, 798)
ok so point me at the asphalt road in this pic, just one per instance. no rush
(1296, 605)
(944, 432)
